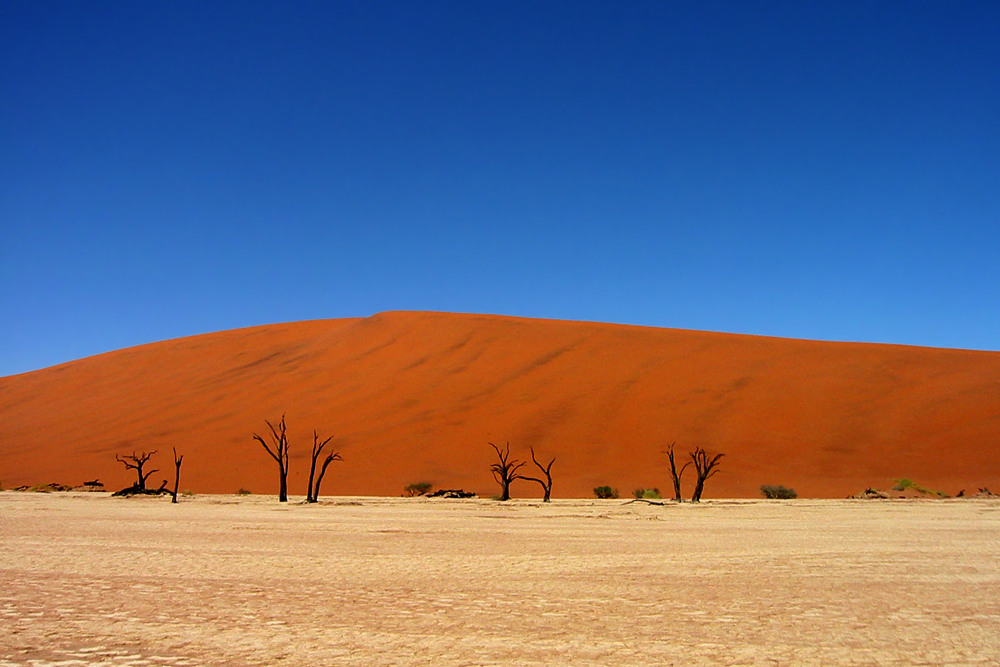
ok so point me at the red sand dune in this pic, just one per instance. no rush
(416, 397)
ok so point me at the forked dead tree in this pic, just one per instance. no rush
(505, 470)
(312, 493)
(137, 462)
(547, 471)
(177, 475)
(674, 474)
(704, 468)
(279, 454)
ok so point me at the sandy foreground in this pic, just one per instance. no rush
(86, 579)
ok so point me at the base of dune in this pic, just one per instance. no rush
(244, 580)
(417, 397)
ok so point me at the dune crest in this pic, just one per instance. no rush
(416, 397)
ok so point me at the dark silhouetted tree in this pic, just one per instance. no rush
(704, 468)
(177, 475)
(547, 471)
(279, 454)
(316, 451)
(505, 470)
(312, 494)
(137, 462)
(674, 474)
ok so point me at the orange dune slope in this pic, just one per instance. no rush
(416, 397)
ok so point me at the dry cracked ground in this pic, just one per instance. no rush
(86, 579)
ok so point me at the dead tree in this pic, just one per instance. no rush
(279, 454)
(316, 451)
(137, 462)
(177, 474)
(312, 493)
(330, 458)
(547, 471)
(704, 468)
(505, 471)
(676, 476)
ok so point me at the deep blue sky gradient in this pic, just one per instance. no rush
(825, 170)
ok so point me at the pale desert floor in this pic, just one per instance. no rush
(86, 579)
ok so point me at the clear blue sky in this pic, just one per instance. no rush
(825, 170)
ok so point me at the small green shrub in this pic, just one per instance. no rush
(244, 492)
(778, 492)
(646, 494)
(904, 484)
(41, 488)
(187, 493)
(605, 492)
(417, 489)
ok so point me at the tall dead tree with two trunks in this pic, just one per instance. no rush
(505, 470)
(547, 471)
(704, 468)
(279, 453)
(312, 493)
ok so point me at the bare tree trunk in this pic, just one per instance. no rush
(177, 475)
(137, 462)
(505, 471)
(547, 471)
(279, 454)
(699, 486)
(676, 476)
(312, 474)
(318, 446)
(330, 458)
(704, 468)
